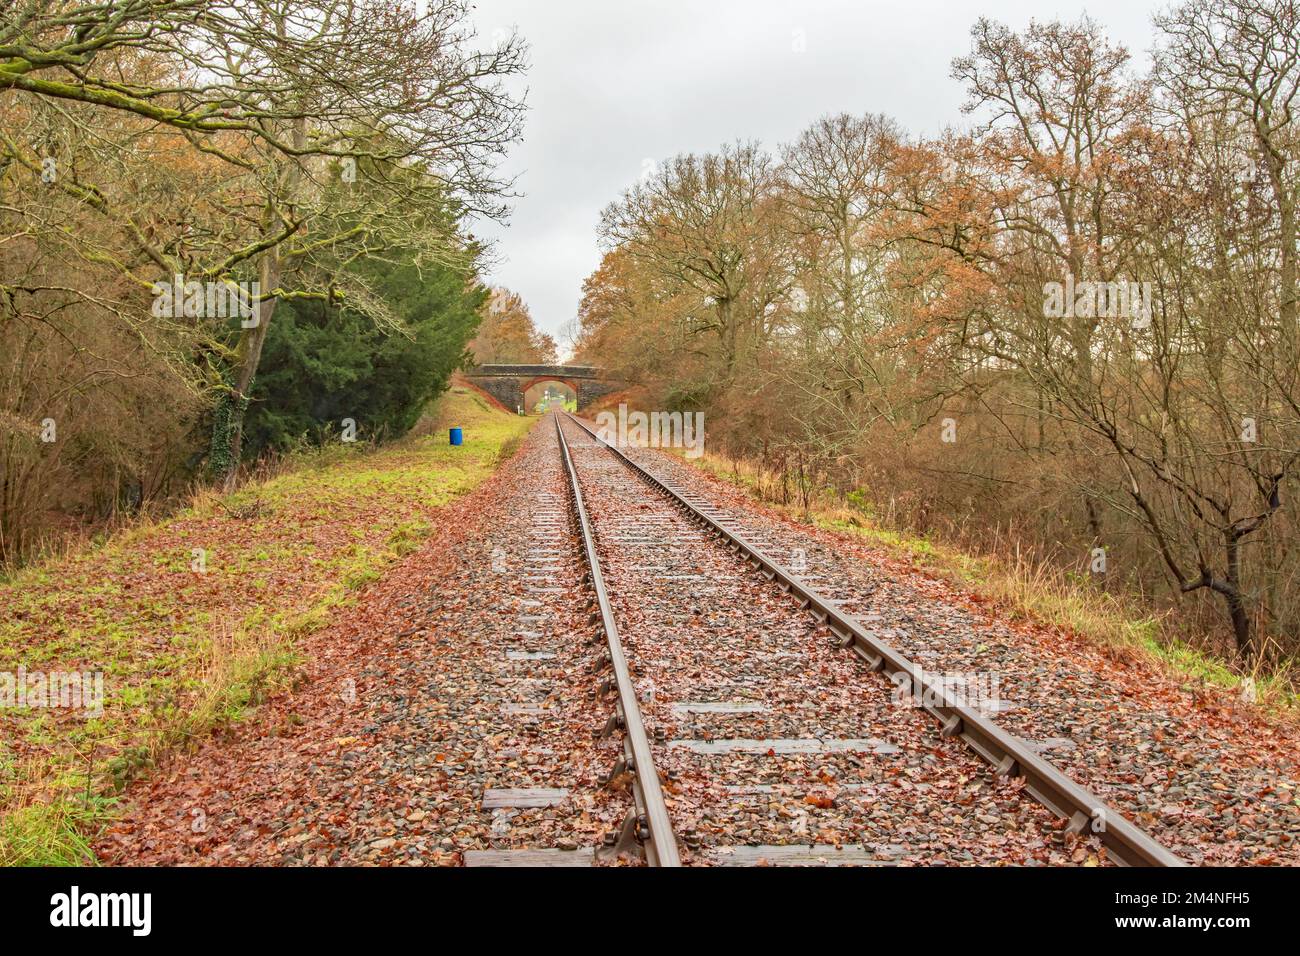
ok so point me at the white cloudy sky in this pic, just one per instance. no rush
(615, 83)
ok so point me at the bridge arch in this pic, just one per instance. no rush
(541, 379)
(540, 388)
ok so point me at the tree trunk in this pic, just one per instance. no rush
(727, 318)
(1237, 611)
(229, 441)
(1286, 235)
(1241, 630)
(228, 430)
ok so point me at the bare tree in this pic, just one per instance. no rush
(1243, 56)
(707, 224)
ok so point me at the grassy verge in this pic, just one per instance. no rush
(194, 620)
(1022, 587)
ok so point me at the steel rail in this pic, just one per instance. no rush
(1009, 753)
(652, 825)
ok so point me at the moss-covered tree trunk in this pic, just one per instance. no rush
(228, 427)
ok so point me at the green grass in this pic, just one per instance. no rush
(183, 653)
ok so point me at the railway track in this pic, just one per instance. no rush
(648, 826)
(763, 737)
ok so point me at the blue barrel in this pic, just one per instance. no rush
(456, 437)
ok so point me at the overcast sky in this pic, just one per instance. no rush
(617, 84)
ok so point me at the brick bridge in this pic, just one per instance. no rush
(509, 383)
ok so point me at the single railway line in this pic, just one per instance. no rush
(648, 825)
(761, 743)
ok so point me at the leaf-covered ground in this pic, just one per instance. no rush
(185, 648)
(465, 669)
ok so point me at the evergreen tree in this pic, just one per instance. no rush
(323, 363)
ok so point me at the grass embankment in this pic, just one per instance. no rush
(185, 648)
(1025, 588)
